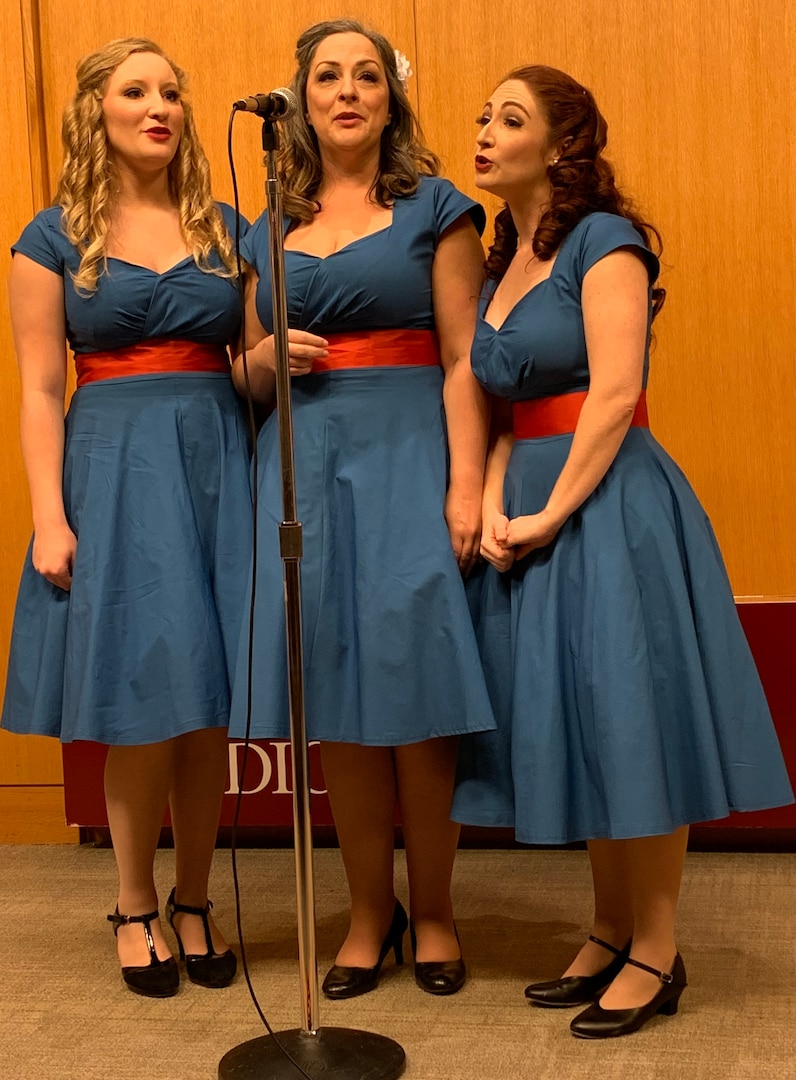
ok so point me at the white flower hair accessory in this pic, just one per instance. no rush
(402, 66)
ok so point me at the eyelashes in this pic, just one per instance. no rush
(135, 92)
(508, 121)
(367, 76)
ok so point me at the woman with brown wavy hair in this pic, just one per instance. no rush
(627, 700)
(129, 606)
(383, 269)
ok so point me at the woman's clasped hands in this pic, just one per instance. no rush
(505, 540)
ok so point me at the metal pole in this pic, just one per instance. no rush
(290, 545)
(337, 1053)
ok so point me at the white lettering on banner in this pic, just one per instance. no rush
(274, 763)
(235, 761)
(282, 788)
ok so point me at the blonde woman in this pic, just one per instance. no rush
(131, 592)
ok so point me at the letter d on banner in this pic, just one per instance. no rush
(234, 769)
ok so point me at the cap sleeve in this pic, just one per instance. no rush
(228, 214)
(450, 204)
(603, 233)
(43, 241)
(254, 244)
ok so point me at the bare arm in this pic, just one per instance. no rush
(303, 348)
(495, 522)
(36, 297)
(615, 307)
(456, 282)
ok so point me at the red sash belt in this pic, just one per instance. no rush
(149, 357)
(558, 415)
(380, 348)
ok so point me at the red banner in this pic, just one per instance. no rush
(264, 784)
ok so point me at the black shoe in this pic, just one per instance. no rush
(348, 982)
(438, 976)
(578, 989)
(157, 979)
(211, 969)
(598, 1023)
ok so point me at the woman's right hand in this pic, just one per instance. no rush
(53, 554)
(303, 349)
(494, 534)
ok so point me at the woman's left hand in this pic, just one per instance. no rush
(532, 531)
(463, 517)
(493, 539)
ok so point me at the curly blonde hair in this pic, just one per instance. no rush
(88, 184)
(403, 157)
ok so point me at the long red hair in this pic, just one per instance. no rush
(582, 179)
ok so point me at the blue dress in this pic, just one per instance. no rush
(627, 700)
(389, 650)
(156, 489)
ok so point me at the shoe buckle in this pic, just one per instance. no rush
(667, 977)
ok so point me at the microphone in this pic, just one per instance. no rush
(278, 105)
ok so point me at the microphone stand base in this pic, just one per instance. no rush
(330, 1053)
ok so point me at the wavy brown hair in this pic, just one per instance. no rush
(403, 159)
(88, 184)
(582, 180)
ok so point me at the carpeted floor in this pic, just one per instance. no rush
(65, 1015)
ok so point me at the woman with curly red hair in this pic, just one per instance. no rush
(627, 698)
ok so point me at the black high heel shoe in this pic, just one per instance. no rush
(439, 976)
(157, 979)
(598, 1023)
(211, 969)
(578, 989)
(347, 982)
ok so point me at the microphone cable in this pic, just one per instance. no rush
(252, 596)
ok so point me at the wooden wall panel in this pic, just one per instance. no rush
(698, 99)
(34, 815)
(228, 50)
(22, 761)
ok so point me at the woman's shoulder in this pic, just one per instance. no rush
(230, 217)
(255, 241)
(431, 186)
(438, 189)
(50, 218)
(600, 233)
(48, 222)
(447, 203)
(43, 240)
(600, 223)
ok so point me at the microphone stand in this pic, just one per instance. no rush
(335, 1053)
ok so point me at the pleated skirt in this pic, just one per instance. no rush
(390, 655)
(157, 491)
(626, 696)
